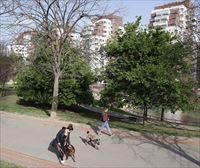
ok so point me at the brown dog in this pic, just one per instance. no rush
(71, 152)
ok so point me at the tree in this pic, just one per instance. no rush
(35, 83)
(54, 20)
(5, 63)
(9, 63)
(7, 6)
(197, 40)
(145, 69)
(193, 35)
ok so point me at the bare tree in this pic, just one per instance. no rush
(5, 63)
(54, 20)
(7, 6)
(193, 36)
(9, 64)
(197, 40)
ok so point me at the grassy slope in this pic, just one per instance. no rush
(9, 104)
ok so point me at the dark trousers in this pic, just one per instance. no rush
(62, 151)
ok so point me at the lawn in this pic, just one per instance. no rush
(4, 164)
(9, 104)
(79, 115)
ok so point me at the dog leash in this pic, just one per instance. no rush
(60, 149)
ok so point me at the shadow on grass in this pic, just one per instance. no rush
(42, 106)
(84, 113)
(64, 109)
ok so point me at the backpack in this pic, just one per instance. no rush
(104, 117)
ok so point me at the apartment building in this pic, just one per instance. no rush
(107, 26)
(23, 44)
(97, 34)
(176, 17)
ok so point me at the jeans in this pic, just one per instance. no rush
(105, 125)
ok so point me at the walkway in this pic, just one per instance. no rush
(29, 138)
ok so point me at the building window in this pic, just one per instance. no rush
(165, 14)
(157, 20)
(164, 20)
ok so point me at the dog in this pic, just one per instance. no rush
(92, 140)
(70, 152)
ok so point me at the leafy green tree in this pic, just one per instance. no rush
(36, 82)
(147, 68)
(55, 20)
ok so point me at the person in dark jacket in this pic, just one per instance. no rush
(62, 141)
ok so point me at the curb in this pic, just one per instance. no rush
(26, 160)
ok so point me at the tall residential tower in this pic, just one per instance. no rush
(176, 17)
(97, 34)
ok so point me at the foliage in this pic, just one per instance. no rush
(33, 85)
(74, 85)
(148, 68)
(56, 21)
(36, 82)
(10, 63)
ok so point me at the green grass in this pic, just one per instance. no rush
(8, 104)
(4, 164)
(148, 127)
(80, 115)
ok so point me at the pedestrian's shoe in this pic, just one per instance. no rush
(98, 133)
(62, 161)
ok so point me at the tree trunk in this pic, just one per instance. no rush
(198, 67)
(145, 114)
(54, 105)
(3, 93)
(162, 114)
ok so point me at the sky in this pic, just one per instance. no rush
(132, 8)
(129, 9)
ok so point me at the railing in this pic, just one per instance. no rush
(138, 117)
(179, 122)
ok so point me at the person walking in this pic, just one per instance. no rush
(62, 141)
(105, 124)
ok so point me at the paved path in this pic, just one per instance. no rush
(26, 160)
(29, 138)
